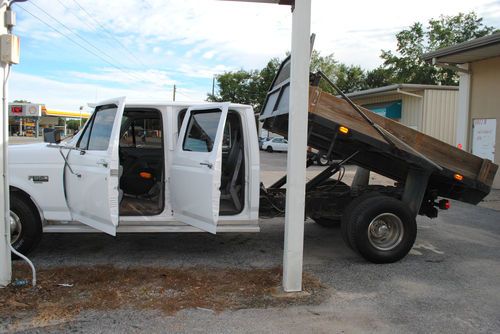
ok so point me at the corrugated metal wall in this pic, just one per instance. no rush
(435, 113)
(440, 114)
(411, 113)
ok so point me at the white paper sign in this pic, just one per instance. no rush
(483, 138)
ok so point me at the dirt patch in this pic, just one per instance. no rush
(62, 293)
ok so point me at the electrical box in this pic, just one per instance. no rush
(9, 49)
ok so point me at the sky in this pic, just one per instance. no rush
(75, 52)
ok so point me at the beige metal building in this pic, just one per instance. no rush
(478, 118)
(427, 108)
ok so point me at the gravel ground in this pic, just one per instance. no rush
(449, 283)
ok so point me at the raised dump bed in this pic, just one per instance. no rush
(336, 127)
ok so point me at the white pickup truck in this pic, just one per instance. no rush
(174, 167)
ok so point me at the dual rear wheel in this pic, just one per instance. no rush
(380, 228)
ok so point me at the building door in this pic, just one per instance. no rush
(484, 137)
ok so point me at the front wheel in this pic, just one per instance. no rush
(269, 149)
(25, 224)
(381, 228)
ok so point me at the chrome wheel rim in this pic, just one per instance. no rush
(15, 227)
(385, 231)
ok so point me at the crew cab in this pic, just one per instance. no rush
(140, 167)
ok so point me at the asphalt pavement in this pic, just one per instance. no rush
(449, 283)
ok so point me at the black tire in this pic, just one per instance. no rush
(321, 159)
(344, 223)
(269, 149)
(31, 225)
(327, 222)
(390, 216)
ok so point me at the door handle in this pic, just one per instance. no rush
(103, 163)
(209, 165)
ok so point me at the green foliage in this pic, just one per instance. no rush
(247, 87)
(407, 64)
(74, 124)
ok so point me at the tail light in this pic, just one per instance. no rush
(444, 204)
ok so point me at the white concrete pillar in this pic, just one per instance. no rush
(297, 147)
(5, 261)
(462, 128)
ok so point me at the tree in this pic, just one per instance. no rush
(74, 124)
(247, 87)
(407, 64)
(348, 78)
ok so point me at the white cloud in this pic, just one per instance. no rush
(155, 78)
(208, 55)
(69, 96)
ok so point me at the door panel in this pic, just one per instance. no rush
(91, 179)
(196, 167)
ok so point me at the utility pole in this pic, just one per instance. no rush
(175, 90)
(5, 260)
(9, 56)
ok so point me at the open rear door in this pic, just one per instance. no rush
(196, 166)
(92, 169)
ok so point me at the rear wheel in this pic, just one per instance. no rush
(25, 224)
(381, 228)
(347, 215)
(269, 149)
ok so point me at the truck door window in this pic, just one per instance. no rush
(201, 130)
(101, 129)
(84, 139)
(97, 133)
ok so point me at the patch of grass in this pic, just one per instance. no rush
(166, 289)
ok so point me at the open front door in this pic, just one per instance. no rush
(196, 166)
(92, 169)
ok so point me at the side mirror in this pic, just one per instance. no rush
(52, 136)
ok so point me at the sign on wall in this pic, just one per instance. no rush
(484, 138)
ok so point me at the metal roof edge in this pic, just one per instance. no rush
(393, 89)
(464, 46)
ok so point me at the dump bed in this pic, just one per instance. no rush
(455, 174)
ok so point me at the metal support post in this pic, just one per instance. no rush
(297, 153)
(361, 178)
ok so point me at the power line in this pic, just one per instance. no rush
(70, 30)
(76, 16)
(78, 44)
(109, 33)
(182, 94)
(85, 40)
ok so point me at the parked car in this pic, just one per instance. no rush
(275, 144)
(262, 140)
